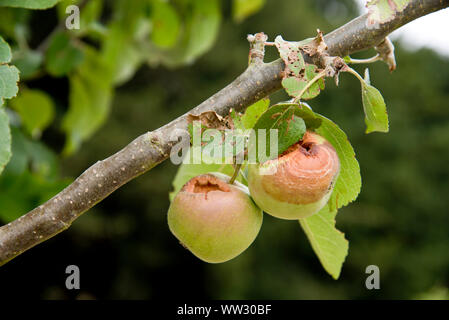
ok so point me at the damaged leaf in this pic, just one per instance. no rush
(210, 120)
(293, 86)
(291, 53)
(381, 11)
(298, 73)
(283, 118)
(9, 75)
(316, 46)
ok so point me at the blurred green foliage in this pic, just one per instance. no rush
(114, 40)
(123, 245)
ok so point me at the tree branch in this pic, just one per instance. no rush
(150, 149)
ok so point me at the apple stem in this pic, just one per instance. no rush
(236, 173)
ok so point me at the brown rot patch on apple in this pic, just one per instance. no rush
(205, 184)
(302, 182)
(305, 171)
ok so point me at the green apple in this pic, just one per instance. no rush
(215, 220)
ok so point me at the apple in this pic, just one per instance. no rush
(299, 182)
(215, 220)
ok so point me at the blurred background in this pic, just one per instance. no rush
(123, 246)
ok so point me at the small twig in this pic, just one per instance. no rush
(257, 48)
(236, 173)
(386, 53)
(361, 61)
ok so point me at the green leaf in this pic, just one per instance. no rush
(130, 14)
(189, 171)
(42, 160)
(89, 100)
(314, 90)
(376, 117)
(118, 44)
(236, 120)
(294, 85)
(32, 155)
(329, 244)
(349, 181)
(203, 27)
(29, 4)
(89, 14)
(241, 9)
(23, 193)
(128, 67)
(8, 22)
(166, 24)
(311, 119)
(28, 62)
(9, 76)
(63, 55)
(30, 178)
(281, 117)
(5, 139)
(36, 109)
(125, 39)
(5, 51)
(297, 73)
(253, 113)
(19, 160)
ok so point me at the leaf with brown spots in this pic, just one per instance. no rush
(291, 53)
(298, 73)
(381, 11)
(293, 86)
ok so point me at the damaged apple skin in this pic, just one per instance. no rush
(216, 221)
(303, 179)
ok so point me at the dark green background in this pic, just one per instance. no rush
(400, 221)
